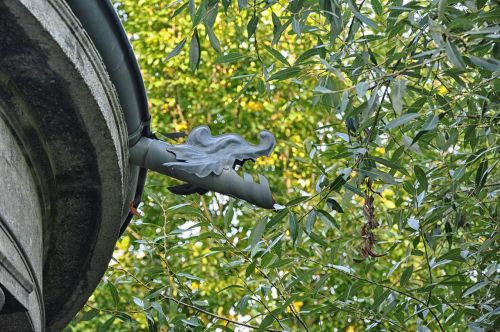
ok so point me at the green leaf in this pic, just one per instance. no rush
(192, 321)
(421, 177)
(252, 26)
(277, 218)
(361, 89)
(306, 55)
(389, 164)
(268, 320)
(114, 293)
(89, 315)
(481, 175)
(405, 276)
(442, 8)
(180, 9)
(327, 218)
(200, 13)
(297, 200)
(322, 241)
(257, 233)
(277, 55)
(185, 209)
(453, 254)
(311, 219)
(226, 4)
(337, 183)
(211, 15)
(401, 120)
(377, 7)
(228, 58)
(176, 50)
(354, 190)
(273, 243)
(138, 301)
(245, 88)
(394, 267)
(155, 305)
(294, 226)
(242, 4)
(214, 41)
(320, 282)
(342, 268)
(191, 8)
(454, 55)
(322, 90)
(228, 216)
(194, 51)
(107, 324)
(414, 223)
(200, 303)
(278, 28)
(375, 174)
(492, 65)
(285, 74)
(476, 287)
(243, 303)
(189, 276)
(397, 93)
(334, 205)
(360, 17)
(250, 269)
(431, 122)
(281, 263)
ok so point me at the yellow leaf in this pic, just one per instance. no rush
(123, 243)
(443, 90)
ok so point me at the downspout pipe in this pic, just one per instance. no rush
(161, 157)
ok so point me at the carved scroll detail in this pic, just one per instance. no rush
(203, 154)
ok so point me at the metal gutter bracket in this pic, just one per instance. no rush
(207, 162)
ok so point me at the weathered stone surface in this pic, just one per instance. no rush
(64, 174)
(20, 232)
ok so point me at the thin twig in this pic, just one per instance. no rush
(208, 313)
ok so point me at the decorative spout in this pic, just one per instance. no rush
(207, 162)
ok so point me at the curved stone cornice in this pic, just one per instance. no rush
(62, 108)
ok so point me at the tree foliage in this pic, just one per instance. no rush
(386, 169)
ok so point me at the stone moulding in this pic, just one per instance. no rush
(18, 275)
(62, 109)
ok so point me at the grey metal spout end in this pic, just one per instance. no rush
(207, 162)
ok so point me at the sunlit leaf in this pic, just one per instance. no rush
(397, 93)
(414, 223)
(401, 120)
(488, 64)
(257, 233)
(454, 55)
(476, 287)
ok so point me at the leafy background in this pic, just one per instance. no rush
(386, 169)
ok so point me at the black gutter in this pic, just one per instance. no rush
(102, 24)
